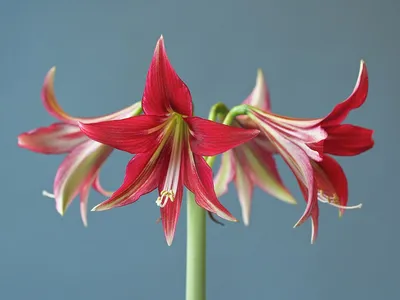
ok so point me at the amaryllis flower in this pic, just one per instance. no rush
(304, 144)
(169, 143)
(252, 164)
(80, 169)
(342, 140)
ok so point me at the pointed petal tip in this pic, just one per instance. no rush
(160, 43)
(363, 68)
(96, 208)
(169, 240)
(288, 198)
(49, 78)
(260, 76)
(21, 140)
(60, 211)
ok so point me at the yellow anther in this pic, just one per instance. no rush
(164, 197)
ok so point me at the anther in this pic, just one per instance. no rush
(164, 197)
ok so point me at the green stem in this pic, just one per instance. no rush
(218, 110)
(229, 117)
(196, 221)
(196, 250)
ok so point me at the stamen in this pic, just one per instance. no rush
(47, 194)
(334, 201)
(172, 178)
(164, 197)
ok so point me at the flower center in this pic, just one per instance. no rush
(174, 138)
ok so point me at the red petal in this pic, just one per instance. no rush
(259, 97)
(212, 138)
(54, 139)
(142, 176)
(99, 188)
(244, 187)
(331, 179)
(305, 133)
(314, 213)
(50, 101)
(170, 214)
(299, 162)
(348, 140)
(355, 100)
(314, 223)
(77, 170)
(165, 91)
(225, 174)
(198, 179)
(134, 135)
(53, 107)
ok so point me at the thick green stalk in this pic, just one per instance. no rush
(196, 221)
(195, 251)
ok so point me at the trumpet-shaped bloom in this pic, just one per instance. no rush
(252, 164)
(80, 169)
(304, 144)
(169, 143)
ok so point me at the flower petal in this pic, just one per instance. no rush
(299, 162)
(225, 174)
(50, 101)
(165, 91)
(99, 188)
(212, 138)
(141, 177)
(54, 139)
(314, 223)
(332, 181)
(244, 187)
(170, 214)
(348, 140)
(198, 179)
(84, 193)
(134, 135)
(305, 133)
(259, 97)
(262, 169)
(51, 104)
(355, 100)
(314, 214)
(78, 169)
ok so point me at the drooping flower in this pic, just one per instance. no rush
(252, 164)
(80, 169)
(169, 143)
(304, 144)
(342, 140)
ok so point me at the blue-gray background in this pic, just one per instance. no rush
(309, 51)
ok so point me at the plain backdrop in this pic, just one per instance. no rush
(310, 52)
